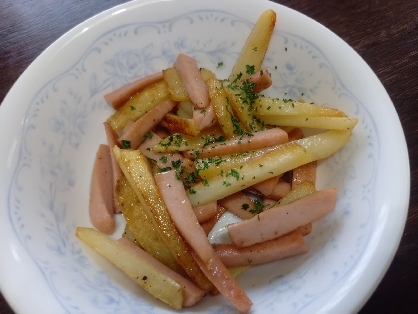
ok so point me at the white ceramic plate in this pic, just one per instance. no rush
(51, 125)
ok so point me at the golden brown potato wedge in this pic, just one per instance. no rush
(242, 108)
(223, 109)
(274, 106)
(318, 146)
(325, 144)
(256, 45)
(175, 85)
(127, 233)
(177, 124)
(277, 161)
(136, 169)
(212, 166)
(142, 225)
(331, 123)
(139, 105)
(180, 142)
(268, 165)
(143, 273)
(298, 192)
(207, 74)
(185, 109)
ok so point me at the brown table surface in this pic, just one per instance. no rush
(383, 32)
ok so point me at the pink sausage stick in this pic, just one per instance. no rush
(306, 172)
(238, 144)
(280, 220)
(136, 133)
(280, 190)
(120, 96)
(266, 187)
(193, 82)
(239, 204)
(261, 80)
(295, 134)
(101, 192)
(112, 140)
(181, 212)
(206, 211)
(288, 245)
(226, 284)
(163, 160)
(208, 225)
(205, 118)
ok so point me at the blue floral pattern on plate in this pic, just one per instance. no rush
(65, 117)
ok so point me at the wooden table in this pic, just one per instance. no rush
(383, 32)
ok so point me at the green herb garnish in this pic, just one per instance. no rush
(126, 144)
(257, 207)
(250, 69)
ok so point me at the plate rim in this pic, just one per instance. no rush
(75, 29)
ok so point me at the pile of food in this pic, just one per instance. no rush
(183, 148)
